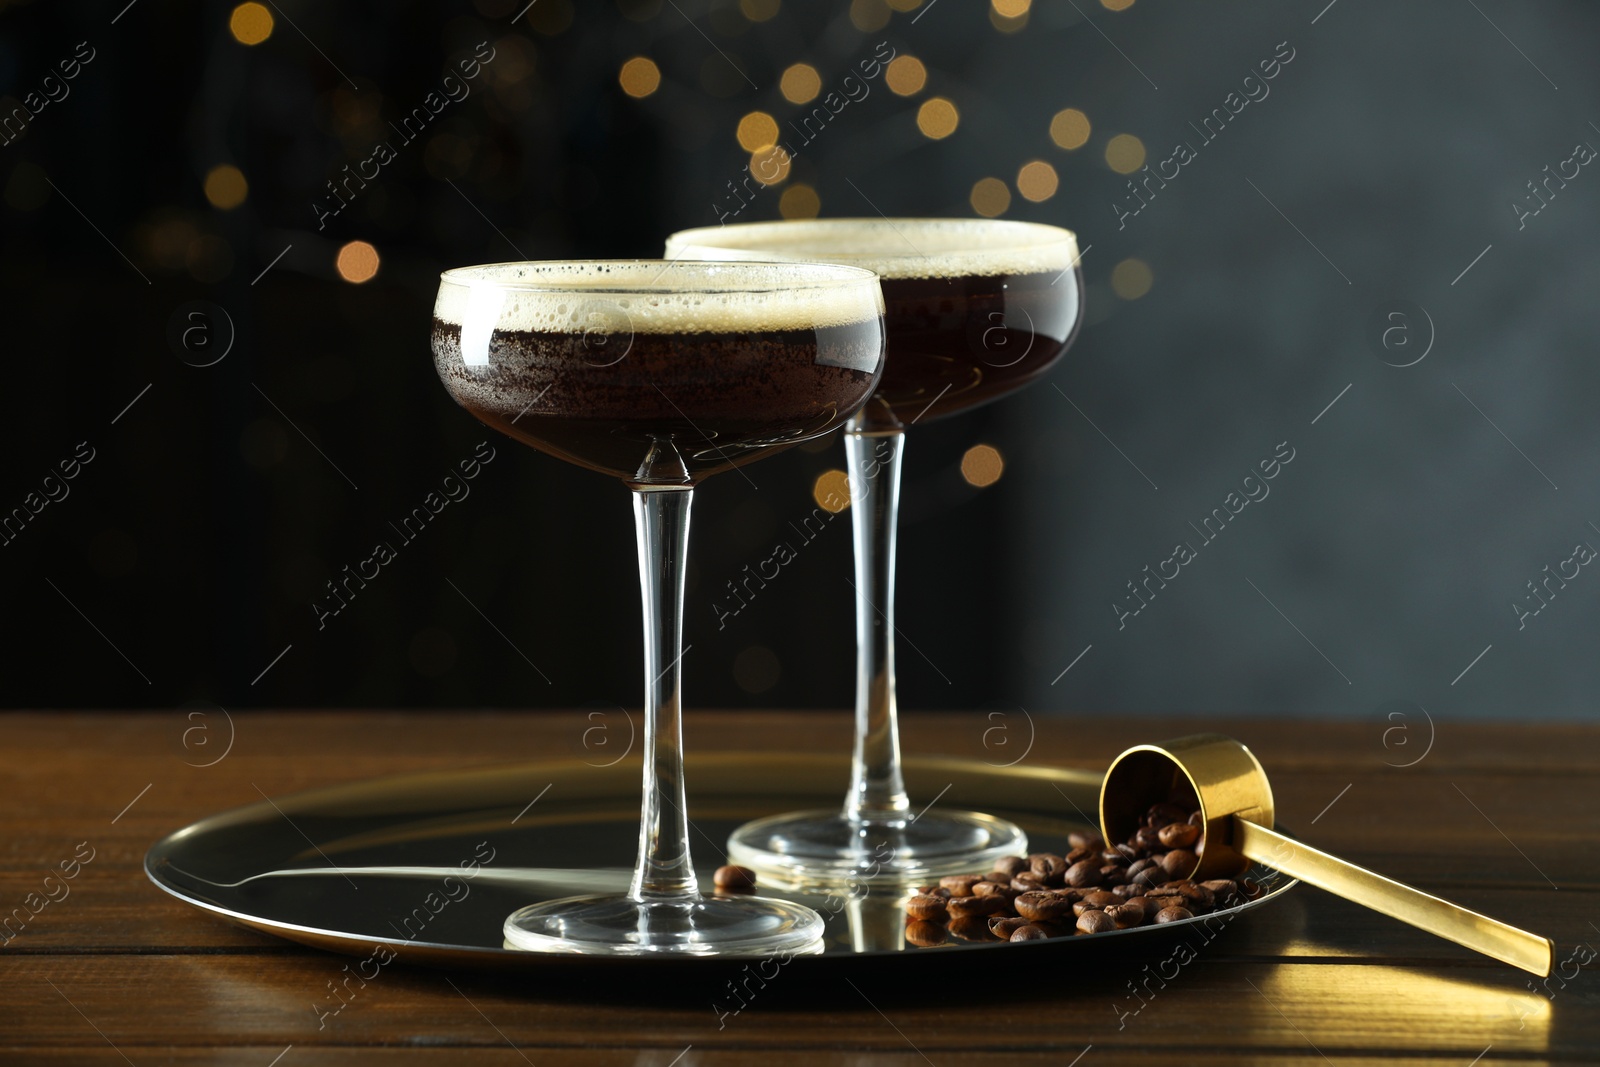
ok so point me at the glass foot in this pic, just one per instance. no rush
(710, 926)
(821, 848)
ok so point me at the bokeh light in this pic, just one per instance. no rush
(905, 75)
(1116, 5)
(800, 83)
(799, 201)
(757, 130)
(639, 77)
(770, 165)
(759, 10)
(250, 23)
(1011, 9)
(226, 187)
(990, 197)
(1070, 128)
(357, 262)
(937, 118)
(982, 465)
(1124, 153)
(1037, 181)
(831, 491)
(869, 16)
(1131, 279)
(905, 5)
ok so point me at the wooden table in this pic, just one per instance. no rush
(1504, 818)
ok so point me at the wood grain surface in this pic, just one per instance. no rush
(1502, 817)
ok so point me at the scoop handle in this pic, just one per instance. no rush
(1423, 910)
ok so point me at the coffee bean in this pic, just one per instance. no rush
(1011, 865)
(961, 906)
(1047, 865)
(1027, 881)
(1173, 914)
(734, 878)
(1099, 898)
(1078, 855)
(1126, 892)
(1224, 891)
(1200, 899)
(993, 889)
(1250, 888)
(1180, 862)
(1096, 922)
(926, 934)
(960, 885)
(1179, 835)
(1085, 839)
(1006, 927)
(1126, 915)
(1083, 874)
(1042, 906)
(1151, 877)
(1143, 864)
(927, 907)
(1029, 933)
(1197, 818)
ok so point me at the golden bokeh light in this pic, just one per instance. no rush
(1011, 9)
(1116, 5)
(905, 5)
(357, 262)
(831, 491)
(799, 201)
(770, 165)
(250, 23)
(1070, 128)
(759, 10)
(226, 187)
(990, 197)
(757, 130)
(937, 118)
(905, 75)
(1124, 153)
(800, 84)
(982, 465)
(639, 77)
(869, 16)
(1037, 181)
(1131, 279)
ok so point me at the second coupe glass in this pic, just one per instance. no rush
(976, 308)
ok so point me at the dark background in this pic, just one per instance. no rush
(1386, 157)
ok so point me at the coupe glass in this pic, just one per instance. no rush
(976, 309)
(660, 375)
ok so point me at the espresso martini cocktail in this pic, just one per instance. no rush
(974, 309)
(661, 375)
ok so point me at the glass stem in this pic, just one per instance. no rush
(665, 870)
(877, 790)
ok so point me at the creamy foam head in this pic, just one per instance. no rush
(894, 248)
(655, 296)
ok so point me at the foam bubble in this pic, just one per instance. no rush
(895, 248)
(653, 296)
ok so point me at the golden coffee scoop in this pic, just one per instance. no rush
(1235, 802)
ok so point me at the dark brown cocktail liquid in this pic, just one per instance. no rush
(955, 343)
(662, 408)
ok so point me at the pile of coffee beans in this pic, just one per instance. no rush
(1091, 890)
